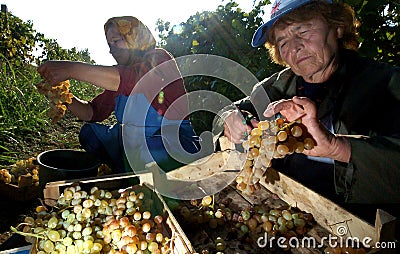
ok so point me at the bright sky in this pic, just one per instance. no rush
(79, 23)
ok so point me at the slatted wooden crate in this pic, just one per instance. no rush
(329, 216)
(17, 193)
(180, 244)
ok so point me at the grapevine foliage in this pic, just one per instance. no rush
(228, 31)
(21, 44)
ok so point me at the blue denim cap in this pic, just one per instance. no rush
(279, 8)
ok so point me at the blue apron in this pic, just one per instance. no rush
(141, 136)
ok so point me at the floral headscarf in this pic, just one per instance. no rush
(136, 34)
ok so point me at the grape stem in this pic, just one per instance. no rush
(43, 204)
(26, 234)
(290, 123)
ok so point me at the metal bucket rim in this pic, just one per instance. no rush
(38, 158)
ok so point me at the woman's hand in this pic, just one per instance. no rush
(327, 144)
(235, 129)
(54, 72)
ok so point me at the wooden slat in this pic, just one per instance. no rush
(210, 165)
(181, 242)
(325, 212)
(14, 192)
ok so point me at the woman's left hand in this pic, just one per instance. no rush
(327, 144)
(54, 72)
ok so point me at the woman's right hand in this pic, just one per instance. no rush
(106, 77)
(54, 72)
(235, 129)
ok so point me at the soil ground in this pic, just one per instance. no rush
(64, 134)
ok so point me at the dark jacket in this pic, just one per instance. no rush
(364, 100)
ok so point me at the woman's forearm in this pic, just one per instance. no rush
(81, 109)
(106, 77)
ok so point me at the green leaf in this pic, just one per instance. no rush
(195, 43)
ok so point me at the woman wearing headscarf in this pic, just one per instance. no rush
(145, 91)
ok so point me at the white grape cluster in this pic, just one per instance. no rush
(271, 139)
(5, 176)
(28, 170)
(58, 95)
(97, 222)
(247, 223)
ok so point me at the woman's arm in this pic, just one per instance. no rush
(106, 77)
(81, 109)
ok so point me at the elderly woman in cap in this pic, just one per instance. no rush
(349, 104)
(147, 81)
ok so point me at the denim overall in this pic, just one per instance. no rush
(138, 137)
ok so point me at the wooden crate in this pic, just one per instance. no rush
(179, 242)
(329, 216)
(16, 193)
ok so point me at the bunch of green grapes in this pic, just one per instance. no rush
(93, 222)
(132, 229)
(271, 139)
(247, 223)
(59, 95)
(5, 176)
(202, 211)
(29, 169)
(288, 223)
(278, 221)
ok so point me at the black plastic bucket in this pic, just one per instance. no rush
(66, 164)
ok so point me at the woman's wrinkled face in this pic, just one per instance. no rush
(310, 48)
(117, 44)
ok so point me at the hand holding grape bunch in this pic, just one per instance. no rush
(299, 131)
(234, 127)
(270, 139)
(59, 95)
(327, 144)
